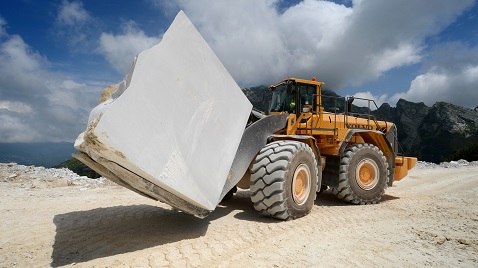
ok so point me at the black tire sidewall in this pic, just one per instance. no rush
(377, 190)
(295, 210)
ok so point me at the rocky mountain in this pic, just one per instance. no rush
(45, 154)
(429, 133)
(432, 133)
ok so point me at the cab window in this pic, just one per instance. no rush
(307, 95)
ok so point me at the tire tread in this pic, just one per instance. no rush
(344, 190)
(268, 178)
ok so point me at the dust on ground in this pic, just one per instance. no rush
(430, 218)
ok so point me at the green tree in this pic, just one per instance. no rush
(468, 153)
(79, 168)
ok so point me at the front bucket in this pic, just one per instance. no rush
(171, 129)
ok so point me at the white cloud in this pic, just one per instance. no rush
(25, 59)
(75, 26)
(16, 106)
(338, 44)
(14, 129)
(451, 76)
(403, 54)
(166, 6)
(38, 104)
(379, 100)
(72, 13)
(120, 49)
(3, 32)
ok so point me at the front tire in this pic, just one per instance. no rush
(363, 175)
(284, 180)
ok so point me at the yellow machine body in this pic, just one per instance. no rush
(332, 131)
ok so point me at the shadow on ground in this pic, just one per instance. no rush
(86, 235)
(242, 202)
(82, 236)
(328, 199)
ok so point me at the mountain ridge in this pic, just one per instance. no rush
(45, 154)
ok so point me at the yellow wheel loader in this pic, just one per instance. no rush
(354, 154)
(178, 129)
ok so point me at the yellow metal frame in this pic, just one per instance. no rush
(332, 130)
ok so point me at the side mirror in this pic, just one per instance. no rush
(349, 104)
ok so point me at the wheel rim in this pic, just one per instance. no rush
(367, 174)
(301, 184)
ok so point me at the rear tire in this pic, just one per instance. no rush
(363, 175)
(284, 180)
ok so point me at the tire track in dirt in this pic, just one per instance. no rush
(365, 225)
(418, 223)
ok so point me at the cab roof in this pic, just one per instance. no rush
(298, 80)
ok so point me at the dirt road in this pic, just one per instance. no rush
(428, 219)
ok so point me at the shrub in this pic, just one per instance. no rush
(79, 168)
(469, 153)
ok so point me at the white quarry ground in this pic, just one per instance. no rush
(55, 218)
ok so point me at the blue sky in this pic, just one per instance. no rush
(57, 56)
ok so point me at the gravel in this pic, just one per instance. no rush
(451, 164)
(41, 177)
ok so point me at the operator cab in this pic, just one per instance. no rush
(295, 96)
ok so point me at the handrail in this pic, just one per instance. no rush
(318, 105)
(335, 108)
(369, 116)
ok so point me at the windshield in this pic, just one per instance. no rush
(278, 100)
(281, 101)
(307, 94)
(291, 97)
